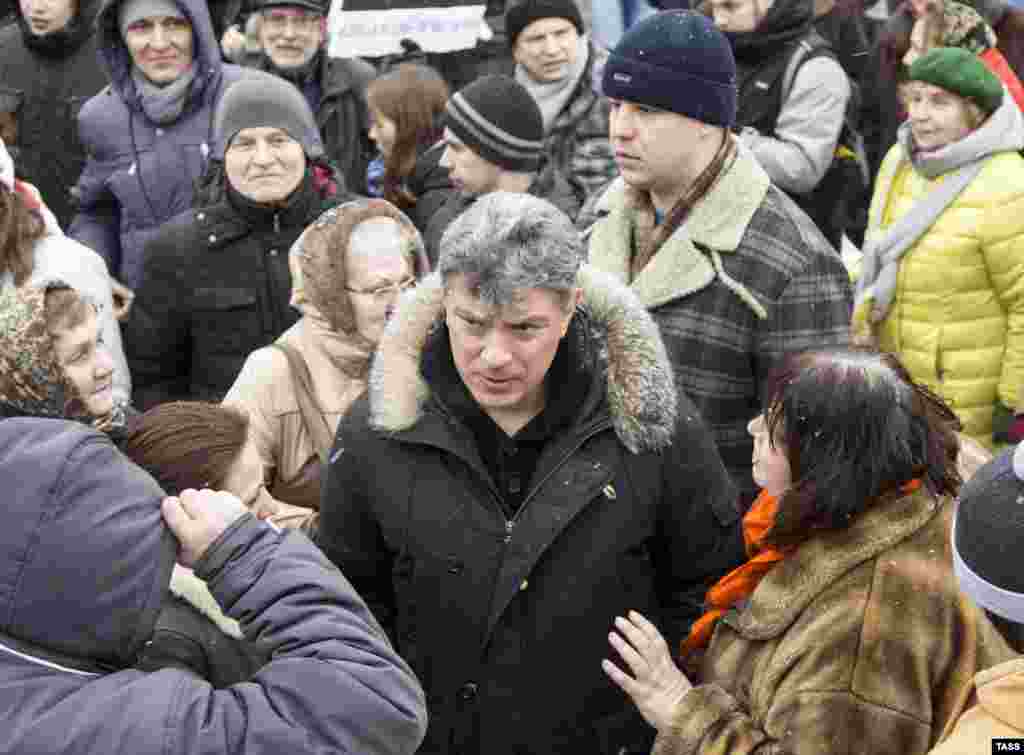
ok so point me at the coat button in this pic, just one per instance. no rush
(213, 239)
(159, 132)
(523, 585)
(467, 692)
(455, 566)
(273, 252)
(200, 216)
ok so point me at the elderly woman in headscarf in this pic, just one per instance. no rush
(53, 362)
(34, 250)
(348, 269)
(53, 365)
(953, 24)
(942, 284)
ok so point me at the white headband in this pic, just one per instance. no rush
(1009, 605)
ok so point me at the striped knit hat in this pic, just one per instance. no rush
(499, 120)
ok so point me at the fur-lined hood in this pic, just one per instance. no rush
(641, 387)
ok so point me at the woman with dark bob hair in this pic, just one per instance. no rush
(845, 631)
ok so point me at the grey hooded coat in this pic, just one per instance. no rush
(85, 563)
(138, 175)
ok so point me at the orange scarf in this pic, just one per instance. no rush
(741, 582)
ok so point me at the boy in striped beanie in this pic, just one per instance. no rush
(494, 141)
(493, 127)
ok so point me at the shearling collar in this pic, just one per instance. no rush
(999, 691)
(641, 388)
(187, 586)
(717, 223)
(818, 562)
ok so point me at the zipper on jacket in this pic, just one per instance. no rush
(599, 427)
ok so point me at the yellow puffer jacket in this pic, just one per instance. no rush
(957, 319)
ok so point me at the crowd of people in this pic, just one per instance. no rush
(645, 379)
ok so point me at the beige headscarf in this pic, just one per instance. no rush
(319, 275)
(952, 25)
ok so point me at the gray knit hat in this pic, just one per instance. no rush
(499, 120)
(988, 534)
(136, 10)
(263, 100)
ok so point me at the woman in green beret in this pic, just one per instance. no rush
(942, 280)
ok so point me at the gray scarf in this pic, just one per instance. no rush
(963, 161)
(552, 96)
(163, 105)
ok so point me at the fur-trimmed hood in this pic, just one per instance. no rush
(640, 384)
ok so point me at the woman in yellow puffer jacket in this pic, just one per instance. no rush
(942, 284)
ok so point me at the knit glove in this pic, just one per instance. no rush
(1007, 427)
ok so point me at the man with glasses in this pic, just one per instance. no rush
(348, 269)
(292, 34)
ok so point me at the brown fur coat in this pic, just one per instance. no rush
(858, 642)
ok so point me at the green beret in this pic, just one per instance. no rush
(961, 72)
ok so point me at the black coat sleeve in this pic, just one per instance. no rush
(185, 639)
(348, 533)
(700, 536)
(157, 340)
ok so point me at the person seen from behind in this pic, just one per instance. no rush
(88, 549)
(986, 536)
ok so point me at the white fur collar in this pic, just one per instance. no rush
(641, 387)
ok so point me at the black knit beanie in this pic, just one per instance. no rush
(988, 536)
(264, 100)
(522, 14)
(677, 61)
(499, 120)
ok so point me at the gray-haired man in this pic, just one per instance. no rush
(521, 472)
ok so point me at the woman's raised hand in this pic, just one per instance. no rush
(657, 685)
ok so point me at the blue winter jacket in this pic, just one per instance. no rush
(138, 175)
(85, 561)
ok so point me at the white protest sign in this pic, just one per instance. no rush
(359, 31)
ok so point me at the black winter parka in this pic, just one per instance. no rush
(215, 287)
(45, 81)
(505, 621)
